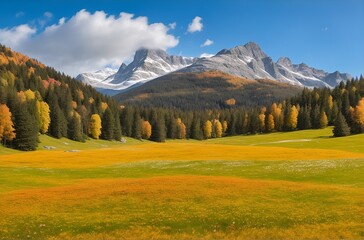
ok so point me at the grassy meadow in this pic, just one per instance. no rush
(296, 185)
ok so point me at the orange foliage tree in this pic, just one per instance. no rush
(181, 129)
(7, 131)
(146, 130)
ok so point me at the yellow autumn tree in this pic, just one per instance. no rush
(359, 113)
(181, 129)
(224, 126)
(261, 121)
(104, 106)
(44, 116)
(207, 129)
(277, 115)
(146, 130)
(7, 131)
(29, 95)
(330, 102)
(270, 123)
(292, 119)
(95, 126)
(218, 128)
(323, 120)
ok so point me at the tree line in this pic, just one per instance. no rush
(341, 107)
(35, 99)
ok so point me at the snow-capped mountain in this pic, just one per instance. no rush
(251, 62)
(248, 61)
(96, 77)
(148, 64)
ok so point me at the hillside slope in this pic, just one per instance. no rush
(207, 90)
(39, 100)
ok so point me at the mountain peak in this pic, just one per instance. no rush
(284, 61)
(143, 53)
(252, 45)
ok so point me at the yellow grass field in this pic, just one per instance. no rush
(168, 151)
(272, 189)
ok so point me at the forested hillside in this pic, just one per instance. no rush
(342, 107)
(35, 99)
(208, 90)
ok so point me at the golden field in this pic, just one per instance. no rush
(275, 189)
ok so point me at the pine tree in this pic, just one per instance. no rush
(158, 129)
(127, 120)
(107, 130)
(75, 128)
(117, 126)
(341, 128)
(315, 117)
(254, 122)
(26, 134)
(137, 126)
(196, 130)
(304, 118)
(58, 124)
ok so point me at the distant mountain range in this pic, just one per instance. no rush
(147, 65)
(247, 61)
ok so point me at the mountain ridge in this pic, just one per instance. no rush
(148, 64)
(247, 61)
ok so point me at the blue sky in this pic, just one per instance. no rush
(326, 34)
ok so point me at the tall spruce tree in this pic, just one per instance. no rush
(75, 128)
(107, 130)
(341, 128)
(117, 126)
(158, 129)
(26, 129)
(137, 126)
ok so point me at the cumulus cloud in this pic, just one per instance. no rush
(89, 41)
(196, 25)
(208, 42)
(206, 55)
(172, 25)
(16, 36)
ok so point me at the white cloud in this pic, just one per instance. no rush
(206, 55)
(208, 42)
(19, 14)
(172, 25)
(48, 15)
(16, 36)
(90, 41)
(196, 25)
